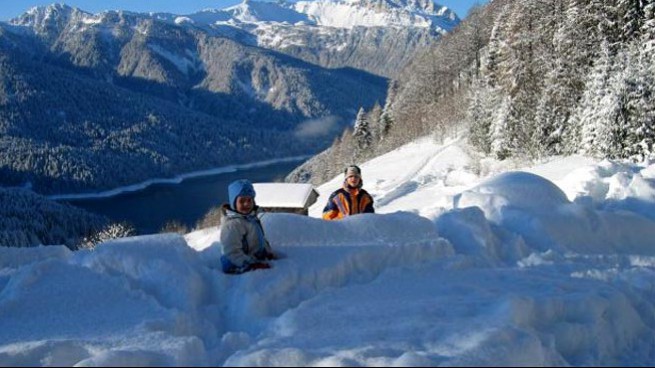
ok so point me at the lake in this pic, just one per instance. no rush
(187, 202)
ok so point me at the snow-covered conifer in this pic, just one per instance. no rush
(362, 130)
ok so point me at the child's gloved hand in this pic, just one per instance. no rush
(260, 266)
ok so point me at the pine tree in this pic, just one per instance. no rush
(616, 107)
(374, 116)
(499, 132)
(520, 68)
(486, 120)
(479, 117)
(648, 31)
(564, 81)
(632, 14)
(362, 131)
(386, 121)
(591, 120)
(640, 105)
(647, 71)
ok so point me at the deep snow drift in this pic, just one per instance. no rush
(465, 263)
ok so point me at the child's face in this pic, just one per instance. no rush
(353, 180)
(244, 204)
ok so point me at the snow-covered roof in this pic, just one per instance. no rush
(284, 195)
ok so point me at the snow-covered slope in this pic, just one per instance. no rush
(466, 262)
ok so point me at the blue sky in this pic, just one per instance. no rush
(13, 8)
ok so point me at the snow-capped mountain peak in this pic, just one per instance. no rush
(372, 13)
(259, 11)
(40, 17)
(347, 13)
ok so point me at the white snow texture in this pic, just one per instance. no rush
(465, 263)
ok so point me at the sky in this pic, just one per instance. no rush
(13, 8)
(466, 262)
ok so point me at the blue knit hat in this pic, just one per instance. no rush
(240, 188)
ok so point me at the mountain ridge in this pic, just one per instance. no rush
(330, 33)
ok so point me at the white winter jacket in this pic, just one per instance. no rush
(242, 237)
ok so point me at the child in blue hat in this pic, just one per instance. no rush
(244, 245)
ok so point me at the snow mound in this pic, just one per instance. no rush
(538, 211)
(513, 189)
(164, 265)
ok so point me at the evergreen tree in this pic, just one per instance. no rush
(632, 14)
(640, 106)
(647, 70)
(592, 118)
(386, 121)
(564, 83)
(374, 116)
(499, 131)
(523, 85)
(362, 131)
(479, 117)
(487, 124)
(648, 31)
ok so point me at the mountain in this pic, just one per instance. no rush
(380, 37)
(142, 46)
(92, 102)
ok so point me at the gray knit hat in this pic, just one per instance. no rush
(353, 170)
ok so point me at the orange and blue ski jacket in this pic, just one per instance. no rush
(348, 201)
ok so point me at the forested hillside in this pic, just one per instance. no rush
(65, 133)
(523, 79)
(27, 219)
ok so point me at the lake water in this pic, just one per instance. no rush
(187, 202)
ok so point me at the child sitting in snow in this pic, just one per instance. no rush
(244, 245)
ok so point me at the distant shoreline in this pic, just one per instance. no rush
(176, 180)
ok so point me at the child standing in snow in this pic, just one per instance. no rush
(244, 245)
(351, 199)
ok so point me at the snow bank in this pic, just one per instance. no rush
(12, 258)
(538, 211)
(400, 228)
(162, 265)
(87, 307)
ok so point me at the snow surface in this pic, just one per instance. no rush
(185, 64)
(465, 263)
